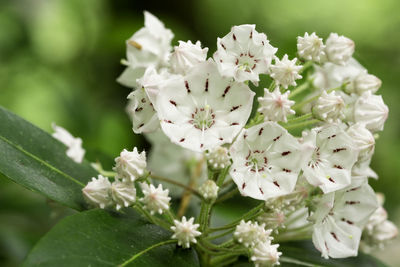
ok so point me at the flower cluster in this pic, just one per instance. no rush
(305, 152)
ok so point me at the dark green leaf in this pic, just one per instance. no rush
(33, 158)
(100, 238)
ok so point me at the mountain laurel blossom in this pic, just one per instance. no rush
(303, 152)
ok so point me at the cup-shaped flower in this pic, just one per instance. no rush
(155, 199)
(98, 192)
(141, 112)
(186, 55)
(203, 110)
(371, 110)
(123, 193)
(130, 165)
(185, 232)
(275, 106)
(340, 217)
(266, 161)
(339, 49)
(75, 150)
(285, 72)
(150, 46)
(310, 47)
(244, 54)
(332, 160)
(363, 139)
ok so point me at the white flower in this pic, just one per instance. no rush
(330, 107)
(123, 193)
(371, 110)
(130, 165)
(152, 80)
(266, 161)
(265, 254)
(150, 46)
(275, 106)
(363, 83)
(339, 218)
(186, 55)
(218, 158)
(251, 233)
(98, 192)
(155, 199)
(209, 190)
(285, 72)
(339, 49)
(75, 150)
(141, 112)
(203, 110)
(331, 76)
(185, 232)
(244, 54)
(334, 156)
(310, 47)
(363, 139)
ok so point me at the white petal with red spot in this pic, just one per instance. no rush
(203, 110)
(244, 54)
(266, 161)
(334, 156)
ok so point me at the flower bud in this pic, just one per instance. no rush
(363, 139)
(185, 232)
(155, 199)
(123, 194)
(371, 110)
(130, 165)
(218, 158)
(265, 254)
(339, 49)
(186, 55)
(329, 107)
(365, 82)
(98, 192)
(209, 190)
(310, 47)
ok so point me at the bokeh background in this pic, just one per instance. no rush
(59, 60)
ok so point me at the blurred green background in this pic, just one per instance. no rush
(59, 60)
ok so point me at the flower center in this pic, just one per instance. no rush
(203, 118)
(257, 161)
(315, 159)
(246, 62)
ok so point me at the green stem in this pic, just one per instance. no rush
(296, 262)
(219, 235)
(146, 250)
(306, 66)
(167, 180)
(227, 195)
(222, 176)
(300, 118)
(299, 89)
(301, 124)
(151, 218)
(248, 216)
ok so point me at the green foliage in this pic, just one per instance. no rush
(34, 159)
(100, 238)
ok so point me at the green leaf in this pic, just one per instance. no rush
(33, 158)
(99, 238)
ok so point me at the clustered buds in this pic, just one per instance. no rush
(315, 176)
